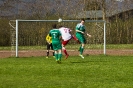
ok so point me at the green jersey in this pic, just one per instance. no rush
(80, 27)
(79, 35)
(55, 34)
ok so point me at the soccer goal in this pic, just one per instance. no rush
(29, 35)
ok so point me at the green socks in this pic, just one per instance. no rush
(81, 49)
(58, 56)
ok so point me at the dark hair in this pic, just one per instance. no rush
(54, 26)
(83, 19)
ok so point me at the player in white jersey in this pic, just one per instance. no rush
(66, 33)
(66, 36)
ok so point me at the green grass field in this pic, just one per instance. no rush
(92, 72)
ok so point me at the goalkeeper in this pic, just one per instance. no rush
(49, 45)
(80, 32)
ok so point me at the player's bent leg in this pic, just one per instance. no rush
(66, 54)
(75, 38)
(81, 51)
(64, 49)
(66, 57)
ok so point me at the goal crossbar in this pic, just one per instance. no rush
(17, 21)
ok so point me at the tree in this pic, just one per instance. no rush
(96, 5)
(91, 5)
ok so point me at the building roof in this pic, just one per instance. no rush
(99, 13)
(112, 8)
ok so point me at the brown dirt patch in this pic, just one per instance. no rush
(29, 53)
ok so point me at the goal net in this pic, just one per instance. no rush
(28, 37)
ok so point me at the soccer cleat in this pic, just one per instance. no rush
(58, 61)
(66, 56)
(46, 56)
(81, 56)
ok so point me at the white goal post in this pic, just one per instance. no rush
(17, 22)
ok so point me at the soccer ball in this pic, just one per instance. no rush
(59, 20)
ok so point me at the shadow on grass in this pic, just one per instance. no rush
(88, 61)
(79, 61)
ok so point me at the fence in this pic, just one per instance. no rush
(118, 16)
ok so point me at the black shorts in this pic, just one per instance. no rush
(49, 46)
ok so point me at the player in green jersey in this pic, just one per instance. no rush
(80, 32)
(56, 42)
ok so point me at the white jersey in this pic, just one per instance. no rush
(65, 32)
